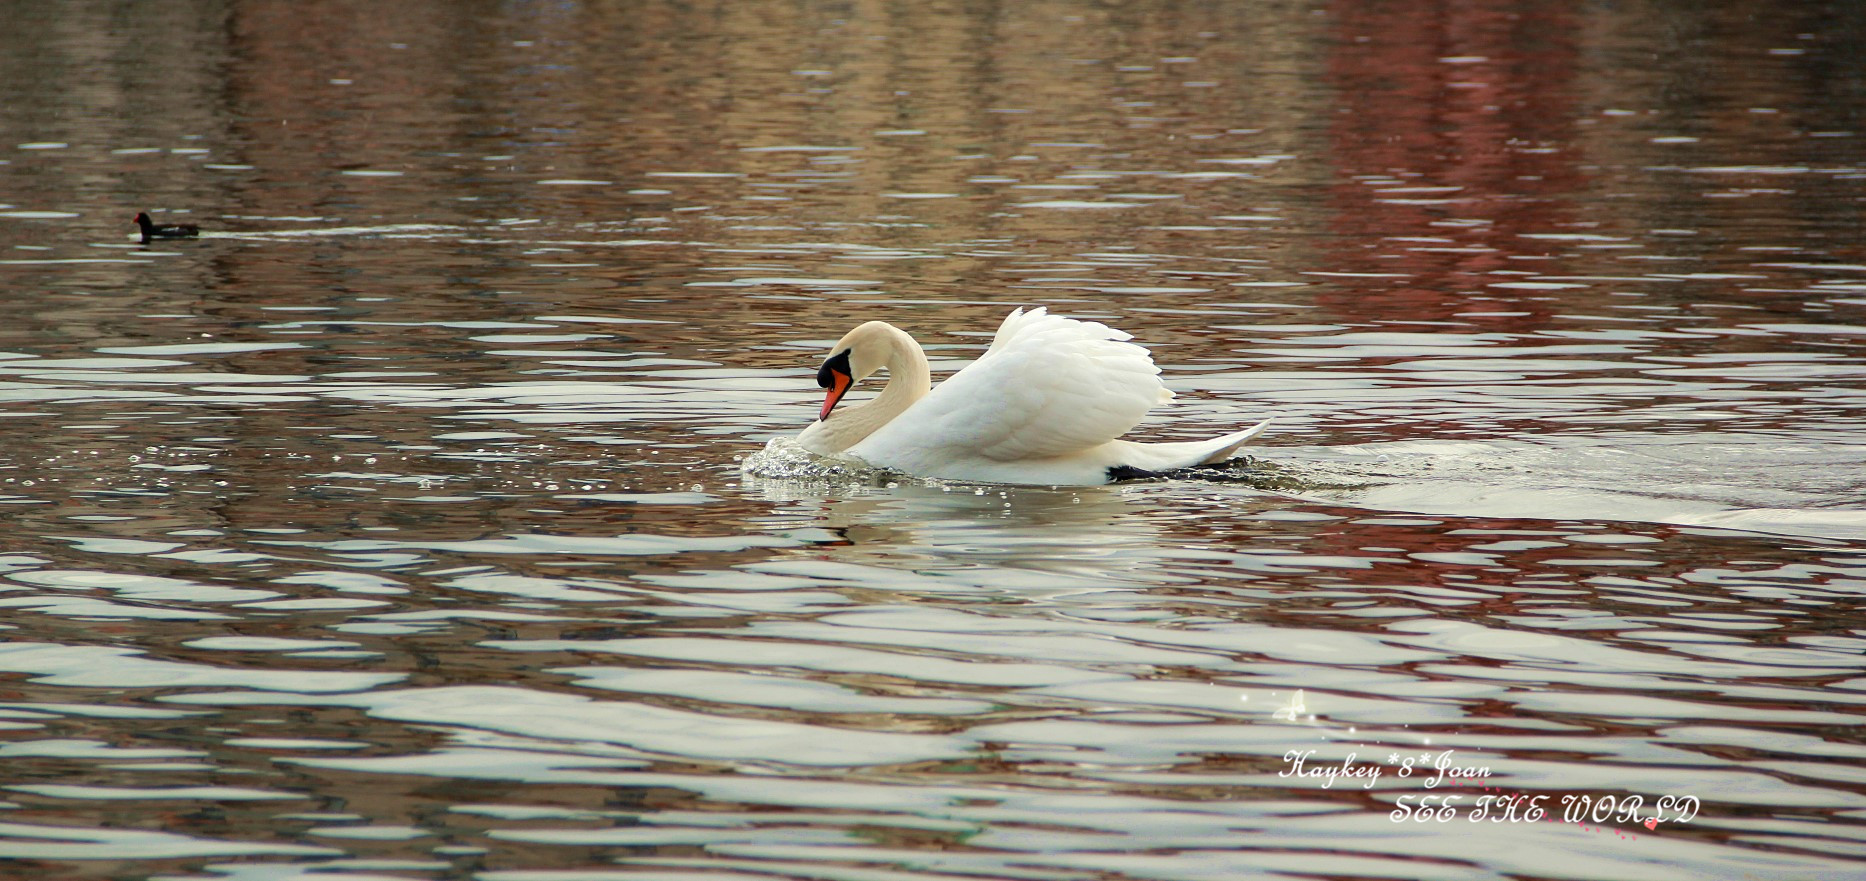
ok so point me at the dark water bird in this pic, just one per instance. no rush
(176, 231)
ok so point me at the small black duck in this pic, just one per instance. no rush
(175, 231)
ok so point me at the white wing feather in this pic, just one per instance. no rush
(1047, 386)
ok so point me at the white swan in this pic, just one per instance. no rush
(1045, 404)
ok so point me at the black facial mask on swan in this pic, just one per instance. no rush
(837, 363)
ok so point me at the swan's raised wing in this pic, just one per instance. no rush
(1047, 386)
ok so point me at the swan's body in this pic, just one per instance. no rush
(1046, 404)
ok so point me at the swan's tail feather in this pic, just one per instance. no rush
(1227, 446)
(1132, 459)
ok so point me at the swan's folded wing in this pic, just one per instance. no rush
(1019, 323)
(1048, 386)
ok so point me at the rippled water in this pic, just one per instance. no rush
(395, 527)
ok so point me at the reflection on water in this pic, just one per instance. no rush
(395, 527)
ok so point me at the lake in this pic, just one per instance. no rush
(398, 526)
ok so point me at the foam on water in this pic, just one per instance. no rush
(784, 459)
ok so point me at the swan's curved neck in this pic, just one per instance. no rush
(909, 380)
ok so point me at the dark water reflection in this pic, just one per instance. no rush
(395, 527)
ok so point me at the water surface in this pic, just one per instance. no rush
(396, 527)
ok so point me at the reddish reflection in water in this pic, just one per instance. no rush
(1453, 135)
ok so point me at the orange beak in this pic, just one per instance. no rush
(839, 384)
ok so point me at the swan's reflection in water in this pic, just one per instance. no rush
(1013, 537)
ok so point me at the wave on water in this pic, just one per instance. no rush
(785, 459)
(1710, 481)
(1684, 485)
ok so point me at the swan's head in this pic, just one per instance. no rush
(858, 354)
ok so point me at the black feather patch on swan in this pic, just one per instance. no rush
(837, 363)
